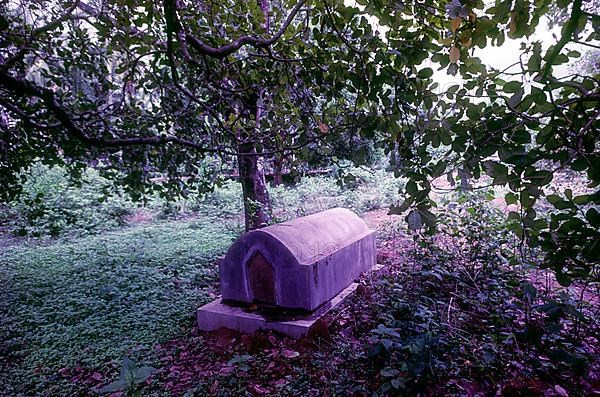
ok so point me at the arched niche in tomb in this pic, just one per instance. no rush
(261, 279)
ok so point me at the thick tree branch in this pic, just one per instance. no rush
(28, 119)
(227, 49)
(27, 89)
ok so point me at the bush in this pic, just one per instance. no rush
(52, 204)
(469, 308)
(224, 200)
(364, 190)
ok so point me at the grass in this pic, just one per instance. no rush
(94, 299)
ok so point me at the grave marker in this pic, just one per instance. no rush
(298, 267)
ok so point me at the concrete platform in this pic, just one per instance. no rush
(217, 314)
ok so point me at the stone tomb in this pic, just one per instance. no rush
(293, 272)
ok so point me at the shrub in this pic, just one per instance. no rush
(469, 308)
(368, 190)
(52, 204)
(224, 200)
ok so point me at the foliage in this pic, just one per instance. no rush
(363, 191)
(227, 199)
(477, 227)
(129, 378)
(516, 127)
(290, 80)
(461, 310)
(369, 190)
(147, 90)
(466, 318)
(50, 203)
(273, 96)
(444, 318)
(571, 237)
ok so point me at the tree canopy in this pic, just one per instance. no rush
(141, 89)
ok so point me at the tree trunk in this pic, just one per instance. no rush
(277, 168)
(257, 205)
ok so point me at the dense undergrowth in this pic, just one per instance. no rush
(473, 316)
(53, 205)
(464, 312)
(90, 300)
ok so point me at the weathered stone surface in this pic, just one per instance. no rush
(216, 314)
(299, 264)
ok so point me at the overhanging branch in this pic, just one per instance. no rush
(27, 89)
(227, 49)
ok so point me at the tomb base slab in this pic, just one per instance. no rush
(217, 314)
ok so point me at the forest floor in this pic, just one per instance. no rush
(427, 322)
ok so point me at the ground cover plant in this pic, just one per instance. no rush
(442, 318)
(457, 313)
(94, 299)
(80, 300)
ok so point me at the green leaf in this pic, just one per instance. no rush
(515, 99)
(428, 217)
(349, 12)
(534, 64)
(425, 73)
(563, 279)
(398, 383)
(539, 96)
(3, 23)
(558, 202)
(512, 86)
(128, 369)
(439, 169)
(383, 330)
(593, 217)
(529, 291)
(116, 386)
(389, 372)
(540, 178)
(592, 250)
(511, 198)
(521, 136)
(402, 208)
(143, 374)
(499, 172)
(411, 187)
(582, 199)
